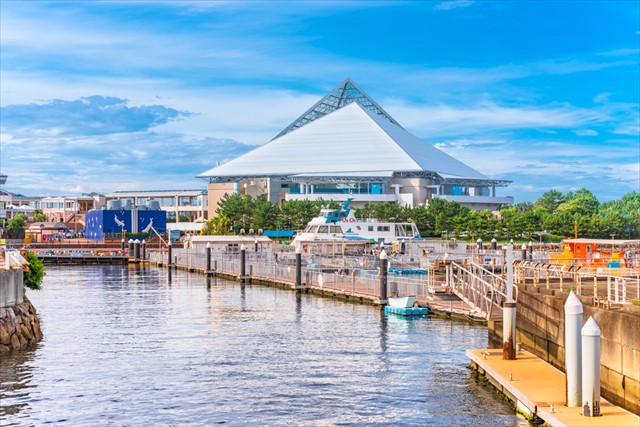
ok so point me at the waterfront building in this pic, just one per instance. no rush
(70, 210)
(346, 145)
(180, 205)
(12, 204)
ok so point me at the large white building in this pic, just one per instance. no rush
(346, 145)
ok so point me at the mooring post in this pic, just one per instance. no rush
(143, 254)
(509, 313)
(384, 272)
(122, 246)
(169, 254)
(524, 252)
(243, 259)
(530, 250)
(136, 249)
(130, 254)
(208, 251)
(299, 267)
(255, 245)
(494, 244)
(591, 368)
(573, 349)
(479, 245)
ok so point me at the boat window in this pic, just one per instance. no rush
(400, 230)
(383, 228)
(336, 229)
(370, 228)
(323, 229)
(313, 229)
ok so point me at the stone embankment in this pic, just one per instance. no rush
(19, 326)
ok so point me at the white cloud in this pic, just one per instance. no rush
(456, 120)
(585, 132)
(454, 4)
(602, 98)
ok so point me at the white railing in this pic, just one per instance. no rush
(478, 286)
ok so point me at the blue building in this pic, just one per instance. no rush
(103, 224)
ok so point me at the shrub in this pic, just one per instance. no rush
(34, 275)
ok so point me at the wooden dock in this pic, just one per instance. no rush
(83, 260)
(534, 386)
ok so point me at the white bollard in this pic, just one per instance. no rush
(573, 349)
(509, 330)
(510, 272)
(591, 369)
(509, 313)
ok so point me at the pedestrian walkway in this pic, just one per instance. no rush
(535, 386)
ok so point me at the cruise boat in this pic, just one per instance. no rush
(341, 224)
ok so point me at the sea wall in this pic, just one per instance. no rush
(19, 324)
(540, 330)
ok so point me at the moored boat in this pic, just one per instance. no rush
(402, 302)
(342, 224)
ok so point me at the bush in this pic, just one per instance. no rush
(34, 275)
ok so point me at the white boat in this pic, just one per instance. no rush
(402, 302)
(341, 224)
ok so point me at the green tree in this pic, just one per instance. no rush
(16, 225)
(35, 273)
(423, 219)
(582, 202)
(265, 214)
(295, 214)
(38, 216)
(218, 225)
(549, 201)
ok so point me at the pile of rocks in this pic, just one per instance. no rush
(19, 326)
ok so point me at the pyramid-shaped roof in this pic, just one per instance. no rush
(343, 94)
(349, 141)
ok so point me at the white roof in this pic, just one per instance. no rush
(344, 142)
(603, 241)
(231, 239)
(185, 226)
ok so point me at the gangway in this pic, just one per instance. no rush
(480, 288)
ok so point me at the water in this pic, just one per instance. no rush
(129, 347)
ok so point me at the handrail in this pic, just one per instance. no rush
(159, 236)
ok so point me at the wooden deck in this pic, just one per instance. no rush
(534, 386)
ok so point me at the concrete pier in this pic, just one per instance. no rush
(539, 390)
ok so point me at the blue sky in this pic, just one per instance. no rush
(106, 96)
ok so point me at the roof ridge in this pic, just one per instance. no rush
(343, 94)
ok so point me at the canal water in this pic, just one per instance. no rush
(134, 347)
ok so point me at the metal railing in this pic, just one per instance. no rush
(482, 289)
(476, 284)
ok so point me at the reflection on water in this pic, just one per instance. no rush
(135, 346)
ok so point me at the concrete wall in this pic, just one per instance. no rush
(215, 192)
(540, 330)
(11, 287)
